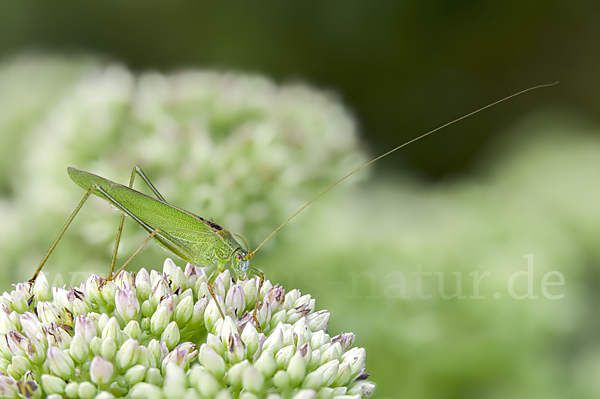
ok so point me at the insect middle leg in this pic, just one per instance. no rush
(141, 173)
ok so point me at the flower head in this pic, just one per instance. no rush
(167, 338)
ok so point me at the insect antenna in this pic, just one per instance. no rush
(245, 242)
(250, 255)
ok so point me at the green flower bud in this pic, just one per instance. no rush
(198, 315)
(212, 361)
(133, 329)
(19, 302)
(153, 376)
(72, 389)
(275, 340)
(305, 394)
(53, 384)
(212, 314)
(279, 317)
(128, 354)
(79, 349)
(20, 364)
(343, 375)
(135, 374)
(318, 321)
(91, 289)
(281, 380)
(215, 342)
(109, 347)
(146, 358)
(175, 382)
(313, 380)
(144, 390)
(296, 369)
(332, 353)
(178, 280)
(160, 319)
(60, 363)
(112, 330)
(266, 363)
(184, 310)
(101, 371)
(253, 380)
(171, 335)
(147, 308)
(251, 338)
(96, 346)
(158, 349)
(329, 372)
(362, 388)
(319, 339)
(235, 373)
(250, 292)
(284, 355)
(87, 390)
(108, 291)
(204, 382)
(356, 358)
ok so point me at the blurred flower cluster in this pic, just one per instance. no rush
(239, 149)
(155, 335)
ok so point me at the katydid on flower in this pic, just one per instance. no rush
(192, 238)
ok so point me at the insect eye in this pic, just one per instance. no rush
(238, 257)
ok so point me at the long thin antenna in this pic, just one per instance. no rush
(391, 151)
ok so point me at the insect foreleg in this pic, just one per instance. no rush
(209, 284)
(141, 173)
(62, 231)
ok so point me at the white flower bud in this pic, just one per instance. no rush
(37, 350)
(146, 358)
(178, 280)
(251, 338)
(60, 363)
(275, 296)
(85, 327)
(53, 384)
(41, 288)
(47, 313)
(263, 314)
(30, 324)
(159, 291)
(17, 343)
(212, 314)
(236, 299)
(218, 287)
(127, 354)
(236, 349)
(279, 317)
(101, 371)
(171, 335)
(250, 291)
(313, 380)
(235, 373)
(212, 361)
(127, 304)
(356, 358)
(72, 389)
(8, 387)
(318, 321)
(20, 364)
(281, 380)
(345, 339)
(290, 298)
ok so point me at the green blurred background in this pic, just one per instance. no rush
(296, 94)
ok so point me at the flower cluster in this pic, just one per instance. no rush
(160, 335)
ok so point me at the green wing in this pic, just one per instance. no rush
(184, 234)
